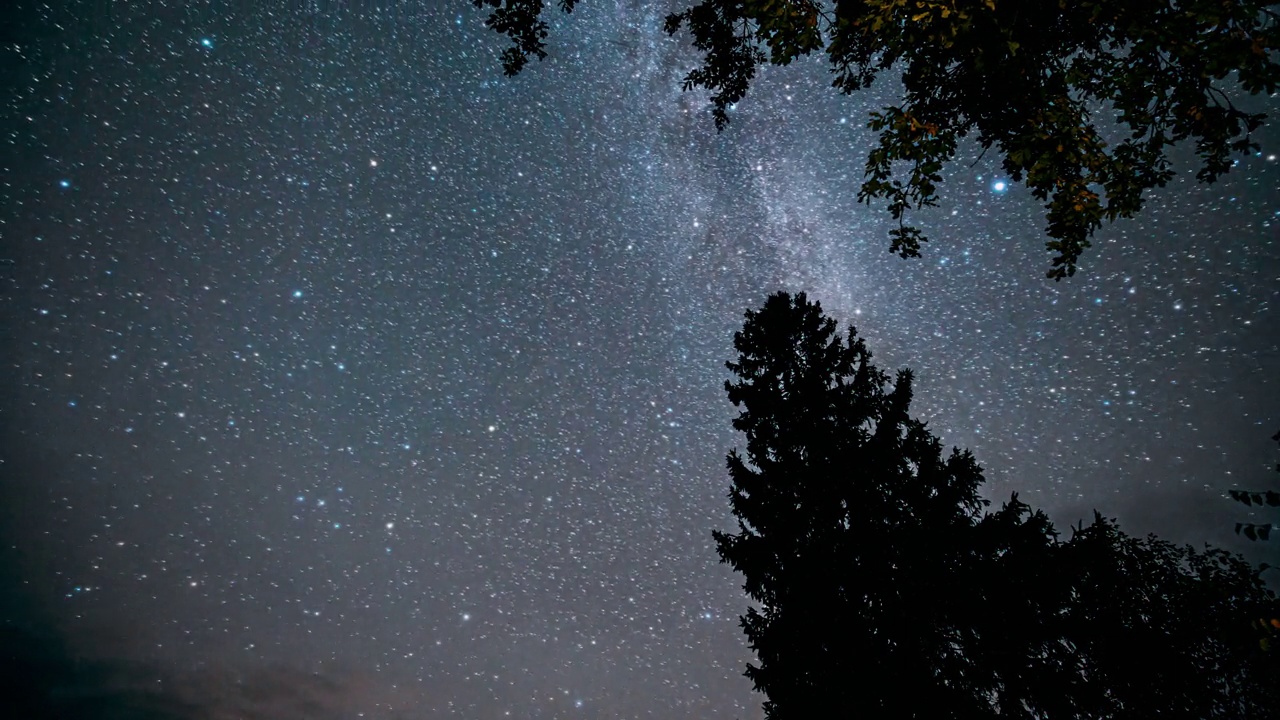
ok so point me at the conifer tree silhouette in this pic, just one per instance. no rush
(880, 585)
(846, 508)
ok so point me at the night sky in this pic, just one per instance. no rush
(344, 377)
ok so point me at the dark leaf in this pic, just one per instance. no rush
(1022, 78)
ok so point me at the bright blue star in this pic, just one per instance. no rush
(64, 184)
(297, 293)
(999, 186)
(206, 43)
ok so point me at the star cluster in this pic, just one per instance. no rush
(328, 349)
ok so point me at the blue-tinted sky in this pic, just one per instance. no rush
(344, 375)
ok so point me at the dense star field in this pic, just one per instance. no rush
(345, 377)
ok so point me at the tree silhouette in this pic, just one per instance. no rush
(879, 582)
(1158, 628)
(1023, 77)
(1271, 498)
(815, 408)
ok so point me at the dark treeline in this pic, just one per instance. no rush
(882, 584)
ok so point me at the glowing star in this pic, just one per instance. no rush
(999, 186)
(206, 43)
(64, 184)
(373, 163)
(297, 293)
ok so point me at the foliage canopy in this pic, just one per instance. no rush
(1026, 77)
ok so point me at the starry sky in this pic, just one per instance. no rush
(344, 377)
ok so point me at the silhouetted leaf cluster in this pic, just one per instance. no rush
(1254, 531)
(521, 20)
(1249, 498)
(880, 582)
(1271, 497)
(1026, 77)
